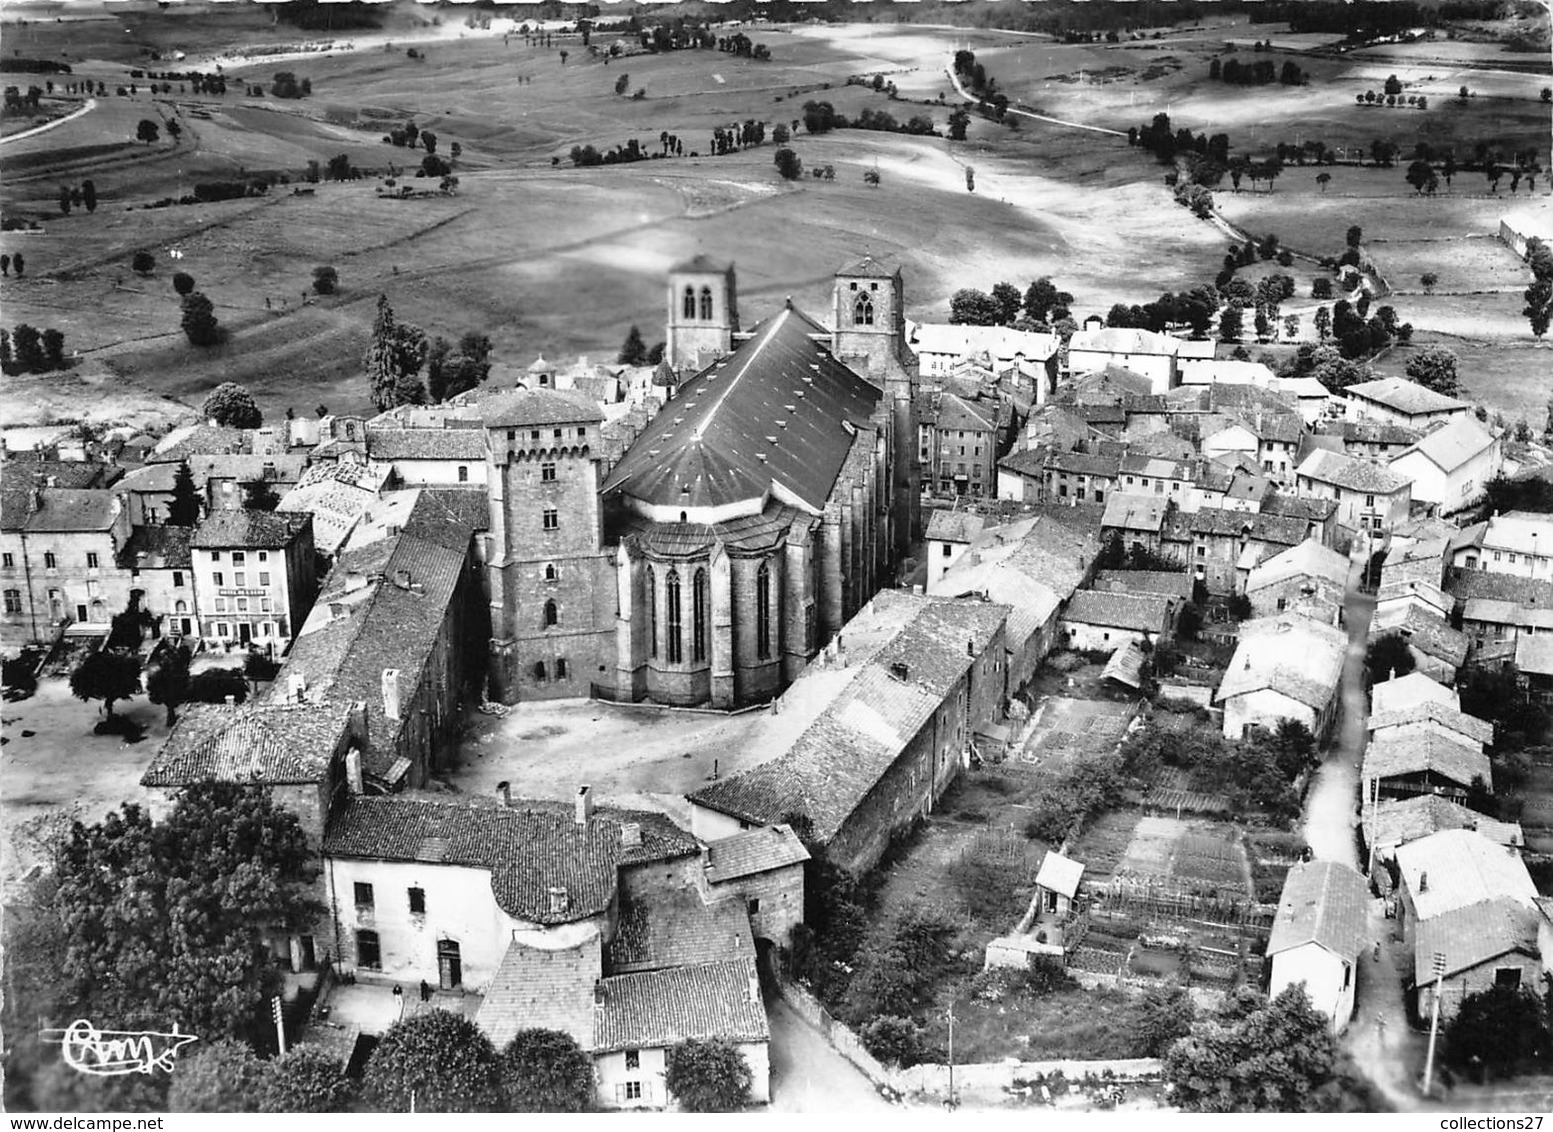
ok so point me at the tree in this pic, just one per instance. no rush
(1166, 1013)
(18, 264)
(788, 164)
(959, 120)
(1009, 300)
(147, 131)
(1387, 658)
(893, 1040)
(1421, 175)
(232, 406)
(971, 307)
(442, 1059)
(169, 919)
(214, 685)
(174, 130)
(1260, 1056)
(199, 320)
(219, 1076)
(305, 1079)
(89, 195)
(871, 177)
(54, 348)
(1323, 179)
(28, 344)
(142, 263)
(183, 510)
(1355, 236)
(183, 283)
(547, 1071)
(622, 84)
(106, 676)
(428, 141)
(1429, 279)
(633, 352)
(1231, 325)
(394, 359)
(1497, 1028)
(708, 1075)
(1435, 368)
(326, 279)
(167, 681)
(1539, 306)
(64, 199)
(780, 134)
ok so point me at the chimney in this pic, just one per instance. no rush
(296, 688)
(1423, 882)
(391, 705)
(402, 579)
(353, 772)
(506, 792)
(35, 502)
(336, 610)
(231, 701)
(754, 987)
(354, 580)
(584, 805)
(558, 901)
(631, 835)
(598, 992)
(970, 646)
(900, 670)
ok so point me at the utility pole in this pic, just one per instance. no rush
(1434, 1024)
(280, 1025)
(951, 1055)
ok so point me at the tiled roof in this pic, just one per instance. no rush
(679, 929)
(1534, 654)
(524, 408)
(78, 474)
(1084, 463)
(957, 413)
(1001, 342)
(1323, 902)
(246, 528)
(1126, 665)
(778, 410)
(954, 526)
(1475, 934)
(661, 1008)
(1453, 444)
(548, 988)
(270, 743)
(1351, 473)
(1403, 396)
(1309, 559)
(528, 848)
(755, 851)
(1467, 584)
(426, 444)
(1295, 655)
(1277, 529)
(1398, 821)
(1456, 868)
(1027, 461)
(1424, 631)
(1176, 585)
(1368, 432)
(1414, 749)
(1059, 874)
(447, 516)
(156, 548)
(1128, 511)
(1148, 613)
(1124, 340)
(702, 264)
(1411, 590)
(1112, 382)
(868, 268)
(1520, 531)
(1434, 711)
(196, 440)
(1405, 692)
(61, 509)
(1141, 464)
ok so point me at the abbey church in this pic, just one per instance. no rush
(763, 505)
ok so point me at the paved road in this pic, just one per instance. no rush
(807, 1075)
(1331, 809)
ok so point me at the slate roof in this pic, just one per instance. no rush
(426, 444)
(156, 548)
(1414, 749)
(247, 528)
(546, 987)
(723, 438)
(1424, 631)
(1031, 565)
(660, 1008)
(1126, 666)
(679, 929)
(754, 851)
(1398, 821)
(1406, 692)
(867, 723)
(1463, 867)
(1434, 711)
(63, 509)
(1300, 657)
(273, 744)
(1475, 934)
(525, 408)
(868, 268)
(1309, 559)
(701, 263)
(1403, 396)
(1351, 473)
(1176, 585)
(954, 526)
(1324, 903)
(1059, 874)
(1141, 612)
(78, 474)
(1452, 445)
(1404, 590)
(528, 848)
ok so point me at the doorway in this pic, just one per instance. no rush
(244, 632)
(450, 966)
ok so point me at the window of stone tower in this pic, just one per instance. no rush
(863, 311)
(539, 670)
(652, 613)
(706, 303)
(763, 611)
(560, 668)
(688, 307)
(674, 646)
(546, 472)
(552, 614)
(698, 616)
(552, 519)
(551, 574)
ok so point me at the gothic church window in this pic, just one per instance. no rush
(863, 311)
(706, 303)
(552, 614)
(675, 647)
(763, 611)
(688, 308)
(652, 613)
(698, 617)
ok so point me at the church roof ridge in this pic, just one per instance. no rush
(869, 267)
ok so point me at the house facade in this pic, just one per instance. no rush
(1318, 935)
(1452, 465)
(254, 576)
(1368, 497)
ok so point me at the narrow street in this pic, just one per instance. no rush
(807, 1075)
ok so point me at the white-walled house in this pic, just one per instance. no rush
(1403, 402)
(1451, 466)
(1154, 356)
(1517, 542)
(1368, 496)
(949, 536)
(1285, 667)
(1318, 935)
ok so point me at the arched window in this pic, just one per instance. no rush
(698, 616)
(539, 670)
(688, 305)
(560, 668)
(763, 611)
(706, 303)
(652, 613)
(552, 614)
(550, 572)
(674, 648)
(181, 607)
(863, 311)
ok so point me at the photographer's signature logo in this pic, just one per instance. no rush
(112, 1053)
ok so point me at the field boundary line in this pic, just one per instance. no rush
(85, 108)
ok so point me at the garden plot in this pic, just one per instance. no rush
(1069, 729)
(1205, 858)
(1463, 264)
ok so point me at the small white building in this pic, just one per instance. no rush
(949, 536)
(1403, 402)
(1318, 935)
(1286, 667)
(1368, 497)
(1451, 466)
(1517, 542)
(1142, 351)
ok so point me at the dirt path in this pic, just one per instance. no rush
(86, 108)
(965, 94)
(1331, 807)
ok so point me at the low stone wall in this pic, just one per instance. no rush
(934, 1079)
(1017, 950)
